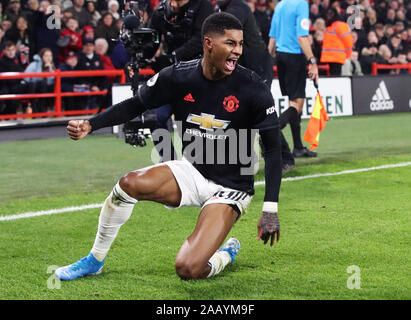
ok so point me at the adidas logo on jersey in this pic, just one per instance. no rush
(381, 99)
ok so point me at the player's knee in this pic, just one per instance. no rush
(188, 270)
(133, 184)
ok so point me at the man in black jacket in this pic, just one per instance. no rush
(89, 60)
(179, 23)
(11, 62)
(256, 57)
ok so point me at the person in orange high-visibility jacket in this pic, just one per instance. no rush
(337, 43)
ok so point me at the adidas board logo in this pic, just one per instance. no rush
(381, 99)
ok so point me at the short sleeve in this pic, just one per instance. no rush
(302, 23)
(264, 116)
(274, 26)
(158, 90)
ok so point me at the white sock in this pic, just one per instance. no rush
(115, 212)
(218, 262)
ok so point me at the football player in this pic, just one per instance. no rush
(215, 100)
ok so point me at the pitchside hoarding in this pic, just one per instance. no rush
(335, 92)
(381, 94)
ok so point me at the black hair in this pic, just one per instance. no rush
(219, 22)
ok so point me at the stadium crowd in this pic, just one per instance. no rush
(87, 39)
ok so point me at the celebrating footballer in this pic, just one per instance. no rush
(209, 96)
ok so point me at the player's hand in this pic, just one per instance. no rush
(313, 72)
(268, 227)
(78, 129)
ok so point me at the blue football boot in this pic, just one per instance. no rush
(85, 266)
(232, 246)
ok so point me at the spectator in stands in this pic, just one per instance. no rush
(372, 37)
(67, 14)
(10, 62)
(319, 24)
(395, 44)
(324, 6)
(408, 11)
(399, 26)
(88, 59)
(6, 25)
(405, 39)
(23, 38)
(72, 84)
(370, 20)
(369, 55)
(80, 13)
(402, 59)
(356, 45)
(87, 33)
(386, 53)
(94, 14)
(113, 7)
(101, 47)
(394, 5)
(337, 43)
(389, 31)
(379, 31)
(69, 40)
(259, 10)
(390, 19)
(107, 30)
(14, 10)
(400, 16)
(317, 44)
(314, 12)
(381, 10)
(352, 66)
(32, 8)
(42, 62)
(43, 36)
(263, 18)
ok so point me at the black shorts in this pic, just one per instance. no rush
(292, 74)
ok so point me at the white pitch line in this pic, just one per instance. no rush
(257, 183)
(48, 212)
(311, 176)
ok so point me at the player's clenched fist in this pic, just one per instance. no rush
(78, 129)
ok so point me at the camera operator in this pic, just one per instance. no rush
(178, 23)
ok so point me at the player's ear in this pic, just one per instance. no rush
(207, 43)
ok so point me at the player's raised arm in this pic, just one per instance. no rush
(156, 92)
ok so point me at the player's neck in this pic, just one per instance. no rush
(210, 72)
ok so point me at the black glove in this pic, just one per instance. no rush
(162, 61)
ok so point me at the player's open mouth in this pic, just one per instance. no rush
(230, 64)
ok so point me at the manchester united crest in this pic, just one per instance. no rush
(231, 103)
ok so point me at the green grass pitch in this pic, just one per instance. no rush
(327, 224)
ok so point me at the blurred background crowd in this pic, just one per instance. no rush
(87, 39)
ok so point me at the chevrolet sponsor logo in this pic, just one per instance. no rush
(207, 121)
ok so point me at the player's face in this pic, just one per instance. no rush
(226, 50)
